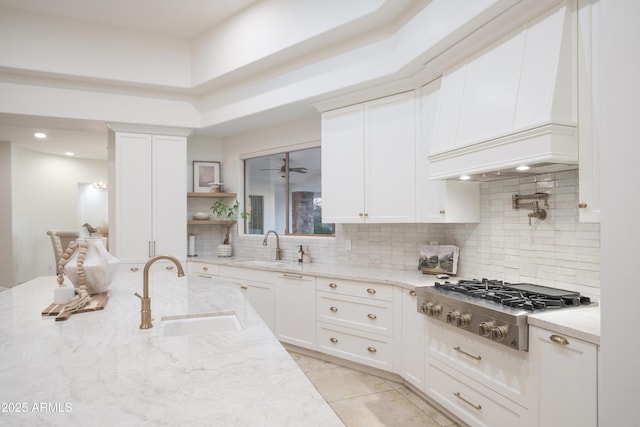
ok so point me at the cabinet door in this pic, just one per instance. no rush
(588, 120)
(260, 296)
(343, 165)
(169, 196)
(130, 199)
(390, 159)
(566, 371)
(437, 200)
(413, 342)
(295, 310)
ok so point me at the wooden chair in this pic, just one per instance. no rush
(60, 240)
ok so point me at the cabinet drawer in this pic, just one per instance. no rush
(500, 368)
(364, 314)
(358, 289)
(203, 269)
(361, 347)
(470, 401)
(248, 274)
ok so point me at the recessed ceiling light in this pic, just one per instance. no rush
(522, 168)
(40, 135)
(69, 153)
(465, 177)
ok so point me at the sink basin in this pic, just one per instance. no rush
(261, 263)
(173, 326)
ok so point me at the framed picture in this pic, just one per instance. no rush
(206, 176)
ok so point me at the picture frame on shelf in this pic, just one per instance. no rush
(206, 176)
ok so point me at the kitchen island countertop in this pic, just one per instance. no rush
(99, 368)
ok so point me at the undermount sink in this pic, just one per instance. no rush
(173, 326)
(261, 263)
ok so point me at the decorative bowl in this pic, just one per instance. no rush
(201, 215)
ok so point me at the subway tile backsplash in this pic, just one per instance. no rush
(559, 251)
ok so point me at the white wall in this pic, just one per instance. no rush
(619, 129)
(6, 241)
(45, 191)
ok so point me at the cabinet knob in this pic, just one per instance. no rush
(582, 205)
(169, 267)
(334, 309)
(442, 211)
(333, 285)
(372, 316)
(412, 293)
(134, 269)
(243, 287)
(371, 349)
(205, 268)
(371, 291)
(333, 340)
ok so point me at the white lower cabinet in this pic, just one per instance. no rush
(258, 288)
(295, 317)
(566, 371)
(481, 382)
(355, 321)
(413, 339)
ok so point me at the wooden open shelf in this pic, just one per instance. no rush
(211, 221)
(213, 195)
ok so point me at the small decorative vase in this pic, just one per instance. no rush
(99, 265)
(224, 250)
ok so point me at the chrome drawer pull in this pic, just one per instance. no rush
(371, 349)
(412, 293)
(467, 354)
(291, 276)
(333, 340)
(333, 285)
(371, 291)
(334, 309)
(372, 316)
(559, 339)
(134, 269)
(206, 276)
(473, 405)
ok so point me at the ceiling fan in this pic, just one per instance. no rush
(283, 169)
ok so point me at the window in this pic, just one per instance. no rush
(282, 193)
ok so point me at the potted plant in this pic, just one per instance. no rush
(225, 212)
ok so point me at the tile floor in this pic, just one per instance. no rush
(366, 400)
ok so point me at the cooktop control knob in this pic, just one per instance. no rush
(499, 333)
(484, 328)
(434, 310)
(452, 317)
(463, 320)
(423, 307)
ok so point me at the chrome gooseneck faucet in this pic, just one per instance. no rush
(278, 250)
(145, 311)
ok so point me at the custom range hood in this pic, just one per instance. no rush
(511, 105)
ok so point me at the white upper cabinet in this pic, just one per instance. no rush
(512, 103)
(147, 196)
(368, 161)
(588, 85)
(439, 200)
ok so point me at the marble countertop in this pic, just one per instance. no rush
(404, 278)
(582, 323)
(99, 366)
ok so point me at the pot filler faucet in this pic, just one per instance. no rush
(278, 250)
(145, 311)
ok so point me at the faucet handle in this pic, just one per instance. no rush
(138, 295)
